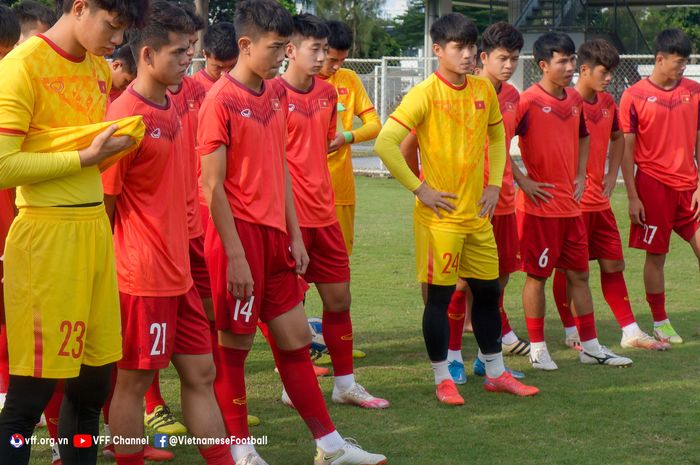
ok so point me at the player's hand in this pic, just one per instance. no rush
(489, 200)
(536, 190)
(435, 200)
(104, 146)
(579, 187)
(695, 204)
(636, 210)
(336, 143)
(300, 256)
(240, 280)
(609, 182)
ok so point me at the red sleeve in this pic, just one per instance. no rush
(582, 128)
(334, 118)
(628, 114)
(616, 121)
(521, 119)
(113, 177)
(213, 125)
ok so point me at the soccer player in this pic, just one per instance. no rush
(123, 68)
(454, 237)
(34, 18)
(254, 246)
(311, 126)
(62, 313)
(597, 60)
(162, 314)
(659, 117)
(355, 102)
(554, 145)
(220, 52)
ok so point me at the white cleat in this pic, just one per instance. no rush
(642, 340)
(350, 454)
(252, 459)
(573, 341)
(541, 359)
(604, 357)
(358, 395)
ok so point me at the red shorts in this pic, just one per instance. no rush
(603, 236)
(198, 267)
(156, 328)
(277, 288)
(328, 257)
(505, 230)
(666, 210)
(548, 243)
(2, 296)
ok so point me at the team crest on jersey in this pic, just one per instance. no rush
(685, 98)
(479, 104)
(605, 113)
(155, 133)
(510, 106)
(323, 102)
(575, 110)
(547, 109)
(246, 113)
(103, 86)
(275, 104)
(292, 107)
(342, 91)
(191, 104)
(651, 98)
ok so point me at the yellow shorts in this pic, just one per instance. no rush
(442, 256)
(346, 218)
(61, 295)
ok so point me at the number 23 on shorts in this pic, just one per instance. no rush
(73, 334)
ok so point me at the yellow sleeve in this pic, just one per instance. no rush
(497, 153)
(387, 146)
(364, 109)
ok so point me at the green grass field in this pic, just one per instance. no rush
(585, 415)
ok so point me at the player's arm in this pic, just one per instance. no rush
(239, 278)
(387, 147)
(364, 109)
(615, 154)
(497, 164)
(584, 144)
(409, 150)
(695, 202)
(296, 240)
(110, 202)
(636, 208)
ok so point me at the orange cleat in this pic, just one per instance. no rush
(321, 371)
(448, 394)
(506, 383)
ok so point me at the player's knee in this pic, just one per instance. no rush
(439, 296)
(199, 374)
(236, 341)
(484, 288)
(577, 278)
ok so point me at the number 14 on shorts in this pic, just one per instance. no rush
(243, 308)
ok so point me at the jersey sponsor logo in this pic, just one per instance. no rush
(275, 104)
(292, 107)
(547, 109)
(479, 105)
(246, 112)
(651, 98)
(343, 91)
(57, 86)
(103, 86)
(155, 133)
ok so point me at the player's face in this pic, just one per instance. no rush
(308, 54)
(501, 63)
(599, 78)
(193, 39)
(98, 31)
(671, 65)
(215, 67)
(265, 54)
(457, 57)
(560, 69)
(120, 78)
(334, 61)
(169, 64)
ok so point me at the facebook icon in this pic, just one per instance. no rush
(160, 441)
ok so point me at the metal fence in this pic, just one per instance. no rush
(388, 79)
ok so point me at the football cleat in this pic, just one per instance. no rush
(456, 369)
(448, 394)
(666, 333)
(642, 340)
(604, 357)
(358, 395)
(506, 383)
(541, 360)
(480, 370)
(350, 454)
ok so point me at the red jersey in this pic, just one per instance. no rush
(549, 130)
(253, 127)
(187, 101)
(203, 78)
(601, 121)
(7, 216)
(311, 124)
(114, 94)
(150, 219)
(508, 99)
(665, 123)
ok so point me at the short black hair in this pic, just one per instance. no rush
(197, 21)
(30, 12)
(598, 52)
(257, 17)
(220, 41)
(165, 17)
(454, 27)
(501, 35)
(552, 42)
(340, 37)
(124, 55)
(673, 42)
(9, 27)
(131, 13)
(308, 25)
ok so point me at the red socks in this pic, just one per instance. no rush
(535, 329)
(455, 316)
(586, 327)
(217, 455)
(153, 396)
(52, 410)
(4, 360)
(229, 387)
(299, 380)
(615, 293)
(505, 324)
(657, 304)
(337, 333)
(130, 459)
(561, 298)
